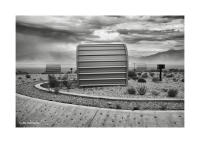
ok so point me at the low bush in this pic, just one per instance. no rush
(135, 78)
(56, 90)
(65, 77)
(169, 75)
(53, 82)
(172, 92)
(136, 108)
(144, 75)
(131, 90)
(141, 80)
(151, 74)
(175, 79)
(164, 89)
(118, 107)
(141, 90)
(132, 74)
(28, 76)
(67, 83)
(155, 79)
(163, 107)
(155, 92)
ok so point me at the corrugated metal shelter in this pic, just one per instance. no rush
(102, 64)
(53, 69)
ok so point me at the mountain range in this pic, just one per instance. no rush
(166, 57)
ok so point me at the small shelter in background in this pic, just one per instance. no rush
(102, 64)
(53, 69)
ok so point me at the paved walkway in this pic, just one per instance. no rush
(31, 112)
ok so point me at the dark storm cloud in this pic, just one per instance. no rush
(81, 28)
(164, 19)
(146, 32)
(133, 36)
(56, 34)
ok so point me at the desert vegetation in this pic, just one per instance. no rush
(141, 89)
(172, 92)
(140, 85)
(131, 90)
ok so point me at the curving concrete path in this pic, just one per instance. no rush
(32, 112)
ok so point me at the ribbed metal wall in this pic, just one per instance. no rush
(53, 69)
(102, 64)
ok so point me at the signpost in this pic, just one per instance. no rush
(160, 67)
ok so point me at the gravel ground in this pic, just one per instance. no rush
(27, 88)
(121, 91)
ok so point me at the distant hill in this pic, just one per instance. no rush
(167, 57)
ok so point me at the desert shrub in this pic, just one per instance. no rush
(53, 82)
(164, 89)
(169, 75)
(135, 78)
(141, 80)
(67, 83)
(151, 74)
(144, 75)
(131, 90)
(175, 79)
(28, 76)
(141, 90)
(118, 107)
(155, 92)
(132, 74)
(163, 107)
(136, 108)
(155, 79)
(65, 77)
(172, 92)
(56, 90)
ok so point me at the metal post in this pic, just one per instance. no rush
(160, 74)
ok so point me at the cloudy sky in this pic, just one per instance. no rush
(53, 39)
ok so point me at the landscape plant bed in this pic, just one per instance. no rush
(122, 91)
(28, 89)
